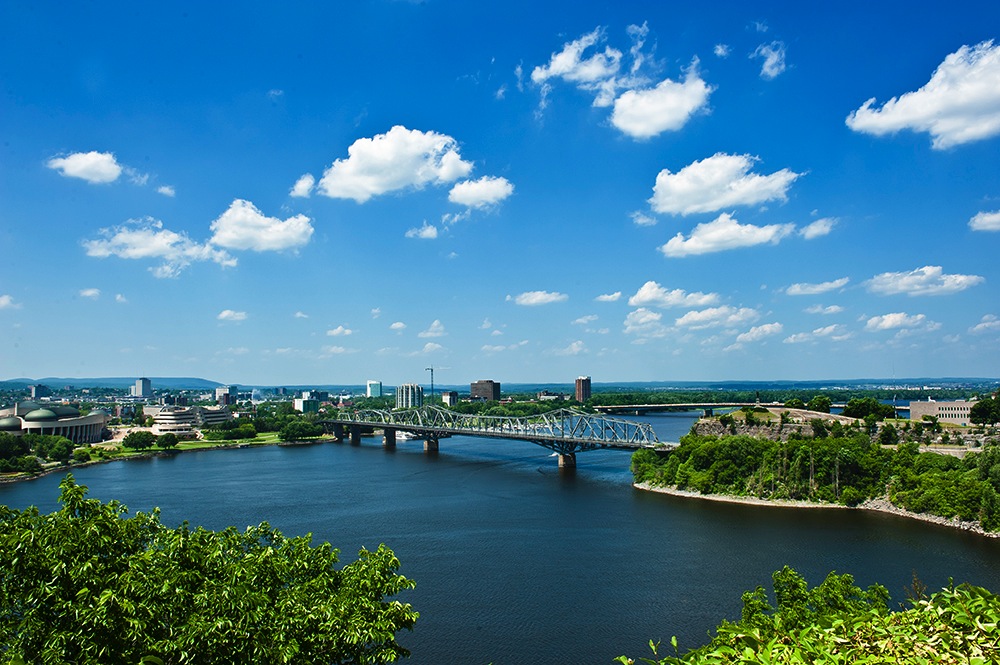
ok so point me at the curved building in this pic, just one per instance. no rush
(55, 420)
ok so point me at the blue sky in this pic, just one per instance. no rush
(277, 193)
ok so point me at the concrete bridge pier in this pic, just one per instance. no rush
(430, 444)
(567, 460)
(355, 435)
(338, 433)
(388, 438)
(708, 413)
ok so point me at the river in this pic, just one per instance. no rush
(518, 562)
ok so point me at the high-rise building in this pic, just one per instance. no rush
(226, 395)
(40, 391)
(582, 388)
(409, 395)
(449, 397)
(485, 389)
(373, 389)
(143, 388)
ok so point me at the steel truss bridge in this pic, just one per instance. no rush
(565, 431)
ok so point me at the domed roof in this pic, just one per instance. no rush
(65, 411)
(40, 414)
(10, 424)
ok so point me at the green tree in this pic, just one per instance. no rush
(985, 411)
(168, 440)
(87, 585)
(139, 440)
(297, 430)
(795, 403)
(820, 403)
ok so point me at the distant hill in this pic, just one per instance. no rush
(171, 383)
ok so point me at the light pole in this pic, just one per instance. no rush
(431, 370)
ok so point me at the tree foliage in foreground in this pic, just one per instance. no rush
(837, 622)
(87, 585)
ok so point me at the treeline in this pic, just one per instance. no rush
(513, 409)
(27, 452)
(770, 395)
(838, 622)
(845, 469)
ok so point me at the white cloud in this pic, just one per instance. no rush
(713, 317)
(574, 349)
(425, 232)
(243, 226)
(595, 73)
(648, 112)
(584, 320)
(716, 182)
(397, 325)
(722, 234)
(819, 228)
(806, 289)
(303, 186)
(301, 315)
(758, 333)
(166, 190)
(926, 281)
(94, 167)
(147, 239)
(652, 294)
(430, 347)
(836, 333)
(231, 315)
(532, 298)
(7, 302)
(482, 193)
(989, 323)
(119, 298)
(721, 50)
(339, 331)
(376, 312)
(609, 297)
(436, 329)
(819, 309)
(644, 322)
(960, 103)
(399, 159)
(334, 350)
(894, 321)
(486, 324)
(93, 294)
(642, 219)
(986, 221)
(774, 59)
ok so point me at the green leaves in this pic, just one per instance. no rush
(87, 585)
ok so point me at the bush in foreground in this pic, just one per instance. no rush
(838, 622)
(87, 585)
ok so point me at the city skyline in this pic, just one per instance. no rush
(322, 195)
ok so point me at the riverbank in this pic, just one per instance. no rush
(876, 505)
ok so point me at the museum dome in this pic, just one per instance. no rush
(40, 415)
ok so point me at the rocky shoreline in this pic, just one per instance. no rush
(877, 505)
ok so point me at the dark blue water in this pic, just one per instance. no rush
(516, 562)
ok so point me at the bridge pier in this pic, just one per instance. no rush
(567, 460)
(708, 413)
(388, 438)
(430, 444)
(338, 433)
(355, 435)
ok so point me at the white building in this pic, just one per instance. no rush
(54, 419)
(142, 389)
(374, 389)
(956, 412)
(175, 420)
(409, 395)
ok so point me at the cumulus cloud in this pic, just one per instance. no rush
(7, 302)
(303, 186)
(574, 349)
(714, 317)
(644, 322)
(584, 320)
(774, 59)
(532, 298)
(721, 50)
(397, 326)
(425, 232)
(819, 309)
(647, 112)
(986, 221)
(482, 193)
(339, 331)
(819, 228)
(334, 350)
(836, 333)
(894, 321)
(609, 297)
(642, 219)
(593, 73)
(231, 315)
(716, 182)
(988, 324)
(926, 281)
(166, 190)
(93, 294)
(722, 234)
(376, 312)
(960, 103)
(399, 159)
(430, 347)
(499, 348)
(758, 333)
(436, 329)
(654, 295)
(94, 167)
(243, 226)
(147, 239)
(807, 289)
(301, 315)
(119, 298)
